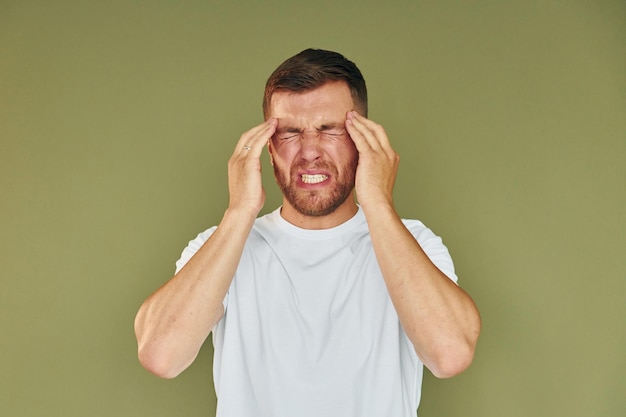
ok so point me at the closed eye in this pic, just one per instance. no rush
(325, 131)
(334, 132)
(287, 136)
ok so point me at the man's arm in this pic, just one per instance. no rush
(173, 323)
(440, 319)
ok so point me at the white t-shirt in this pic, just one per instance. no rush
(309, 329)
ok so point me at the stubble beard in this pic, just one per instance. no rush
(317, 203)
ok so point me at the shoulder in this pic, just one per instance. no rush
(262, 226)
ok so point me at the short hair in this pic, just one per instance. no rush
(313, 68)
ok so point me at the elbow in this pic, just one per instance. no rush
(158, 362)
(152, 351)
(454, 358)
(458, 355)
(155, 356)
(452, 363)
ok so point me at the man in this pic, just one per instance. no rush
(324, 307)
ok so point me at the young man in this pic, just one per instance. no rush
(324, 307)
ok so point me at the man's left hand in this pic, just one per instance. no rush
(378, 162)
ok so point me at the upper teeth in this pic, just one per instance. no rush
(313, 179)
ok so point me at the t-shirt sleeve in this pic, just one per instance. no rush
(192, 247)
(433, 247)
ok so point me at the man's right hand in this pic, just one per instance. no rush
(244, 169)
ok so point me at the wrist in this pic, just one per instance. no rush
(239, 216)
(378, 209)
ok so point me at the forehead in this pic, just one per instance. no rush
(328, 103)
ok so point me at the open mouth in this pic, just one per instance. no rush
(313, 179)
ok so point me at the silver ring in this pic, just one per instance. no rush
(247, 148)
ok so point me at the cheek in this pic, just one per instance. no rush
(347, 152)
(281, 158)
(282, 152)
(274, 151)
(351, 145)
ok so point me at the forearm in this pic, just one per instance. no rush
(439, 317)
(173, 323)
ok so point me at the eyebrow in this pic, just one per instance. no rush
(329, 126)
(320, 128)
(288, 130)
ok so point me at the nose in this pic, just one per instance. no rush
(310, 144)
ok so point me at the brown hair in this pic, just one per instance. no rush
(313, 68)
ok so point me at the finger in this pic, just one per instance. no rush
(252, 136)
(252, 142)
(370, 132)
(245, 137)
(362, 131)
(357, 134)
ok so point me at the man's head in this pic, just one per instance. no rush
(314, 157)
(313, 68)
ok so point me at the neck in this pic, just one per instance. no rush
(341, 215)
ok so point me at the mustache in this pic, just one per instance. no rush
(321, 165)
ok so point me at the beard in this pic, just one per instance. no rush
(317, 203)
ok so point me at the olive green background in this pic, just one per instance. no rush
(117, 119)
